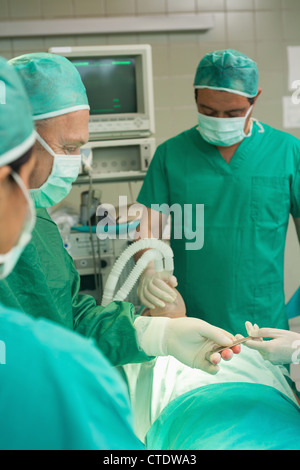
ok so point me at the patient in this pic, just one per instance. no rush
(174, 310)
(249, 404)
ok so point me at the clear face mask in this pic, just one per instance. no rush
(222, 132)
(64, 172)
(10, 259)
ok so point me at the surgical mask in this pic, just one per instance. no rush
(222, 132)
(10, 259)
(64, 172)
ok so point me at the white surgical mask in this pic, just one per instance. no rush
(10, 259)
(64, 172)
(222, 132)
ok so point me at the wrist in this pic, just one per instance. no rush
(151, 334)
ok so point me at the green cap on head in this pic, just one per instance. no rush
(17, 134)
(228, 70)
(53, 84)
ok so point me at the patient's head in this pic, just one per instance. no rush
(173, 310)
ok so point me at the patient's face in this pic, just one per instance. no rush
(175, 310)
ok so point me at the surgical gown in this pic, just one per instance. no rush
(57, 391)
(236, 272)
(45, 283)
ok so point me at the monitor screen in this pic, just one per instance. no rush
(110, 83)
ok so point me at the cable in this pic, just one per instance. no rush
(97, 274)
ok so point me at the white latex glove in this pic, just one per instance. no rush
(189, 340)
(283, 348)
(153, 289)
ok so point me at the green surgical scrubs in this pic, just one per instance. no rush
(45, 283)
(229, 263)
(57, 390)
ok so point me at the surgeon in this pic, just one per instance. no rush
(247, 177)
(45, 282)
(57, 392)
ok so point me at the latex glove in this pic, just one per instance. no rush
(283, 348)
(153, 289)
(189, 340)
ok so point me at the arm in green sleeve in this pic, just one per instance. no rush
(295, 191)
(111, 327)
(295, 198)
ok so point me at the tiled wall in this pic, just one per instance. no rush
(260, 28)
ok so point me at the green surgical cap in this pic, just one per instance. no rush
(53, 84)
(16, 125)
(228, 70)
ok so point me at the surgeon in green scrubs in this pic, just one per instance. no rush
(57, 391)
(247, 176)
(45, 282)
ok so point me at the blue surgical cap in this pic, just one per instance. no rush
(53, 84)
(228, 70)
(16, 125)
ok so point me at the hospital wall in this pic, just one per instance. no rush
(261, 29)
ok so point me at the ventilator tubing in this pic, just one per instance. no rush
(158, 251)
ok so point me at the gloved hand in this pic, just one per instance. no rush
(283, 348)
(189, 340)
(153, 289)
